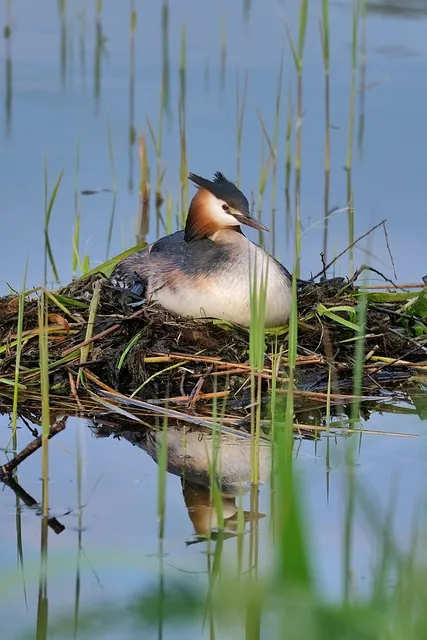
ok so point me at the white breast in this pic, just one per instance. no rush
(227, 294)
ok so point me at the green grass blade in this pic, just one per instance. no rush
(107, 267)
(44, 393)
(52, 198)
(323, 311)
(93, 308)
(19, 344)
(47, 216)
(303, 16)
(127, 349)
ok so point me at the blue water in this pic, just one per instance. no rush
(53, 118)
(388, 177)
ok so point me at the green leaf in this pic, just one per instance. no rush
(344, 307)
(277, 331)
(419, 308)
(323, 311)
(224, 324)
(420, 328)
(12, 383)
(71, 302)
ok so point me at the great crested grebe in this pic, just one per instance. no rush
(209, 269)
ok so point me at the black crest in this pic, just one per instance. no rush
(223, 189)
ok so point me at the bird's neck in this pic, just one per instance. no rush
(230, 235)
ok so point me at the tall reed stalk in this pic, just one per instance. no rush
(42, 611)
(82, 46)
(62, 8)
(240, 110)
(144, 192)
(157, 141)
(165, 89)
(113, 188)
(162, 461)
(354, 32)
(298, 54)
(48, 207)
(292, 565)
(264, 170)
(325, 40)
(132, 131)
(76, 261)
(271, 163)
(349, 155)
(99, 52)
(8, 64)
(275, 154)
(288, 168)
(80, 506)
(362, 75)
(19, 335)
(258, 274)
(350, 499)
(183, 167)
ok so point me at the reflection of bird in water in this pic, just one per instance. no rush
(192, 453)
(204, 515)
(196, 455)
(210, 269)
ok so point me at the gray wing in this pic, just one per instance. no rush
(171, 260)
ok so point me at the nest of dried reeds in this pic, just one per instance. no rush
(95, 336)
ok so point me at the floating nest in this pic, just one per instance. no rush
(99, 340)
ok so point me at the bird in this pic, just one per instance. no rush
(210, 269)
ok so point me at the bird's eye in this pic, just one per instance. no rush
(225, 207)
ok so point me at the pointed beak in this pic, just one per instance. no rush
(249, 221)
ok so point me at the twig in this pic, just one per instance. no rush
(197, 389)
(391, 312)
(412, 285)
(332, 428)
(74, 390)
(29, 501)
(412, 341)
(388, 249)
(317, 395)
(7, 469)
(324, 269)
(217, 395)
(390, 362)
(198, 358)
(365, 267)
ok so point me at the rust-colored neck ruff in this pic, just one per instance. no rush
(205, 217)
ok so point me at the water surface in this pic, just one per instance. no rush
(57, 105)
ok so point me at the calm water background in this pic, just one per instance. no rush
(50, 115)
